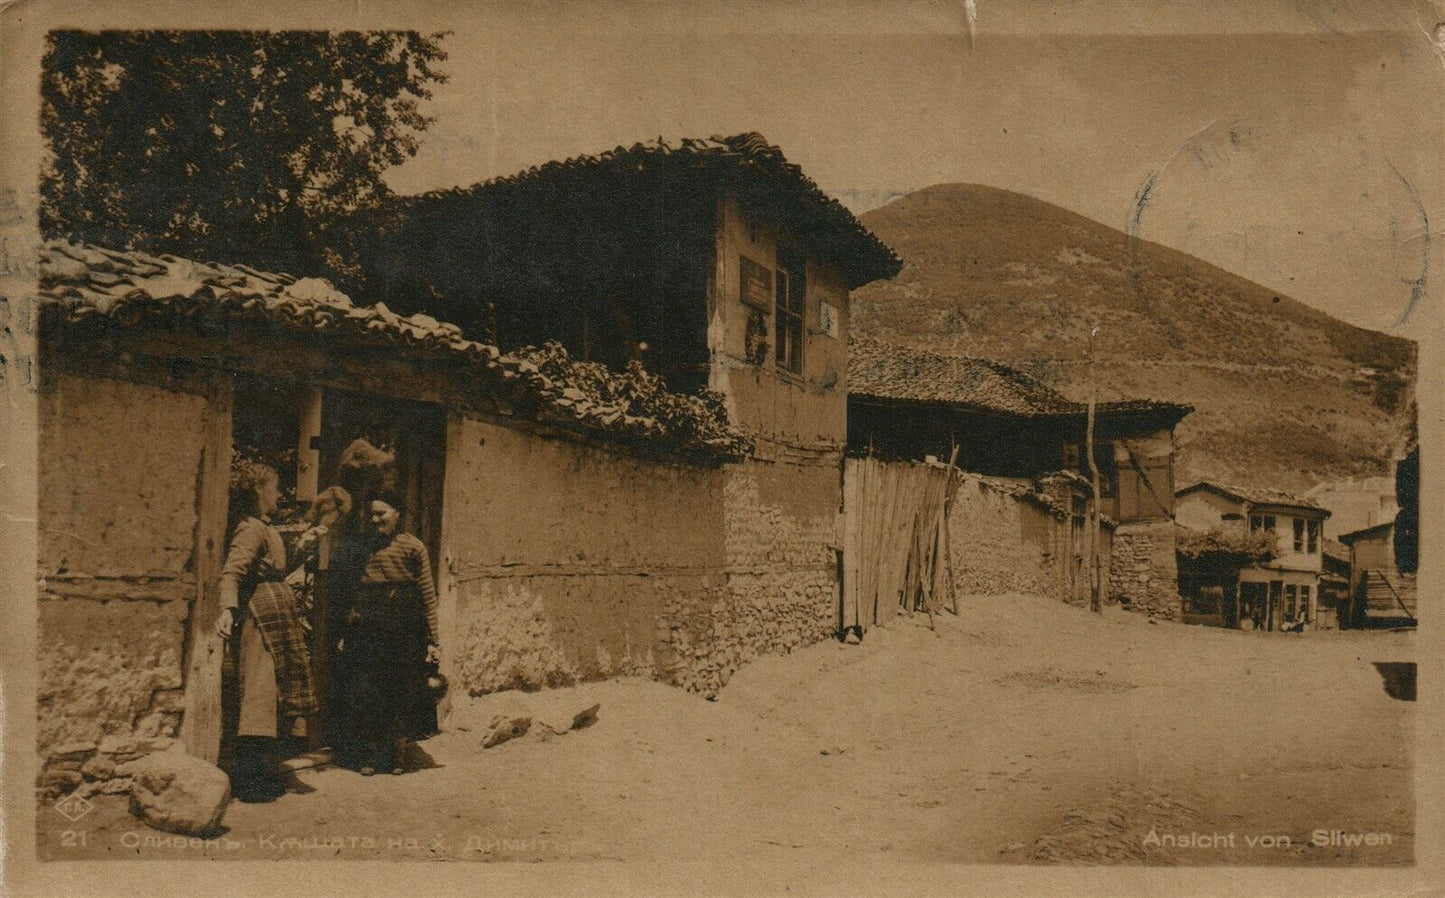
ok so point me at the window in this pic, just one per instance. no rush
(1291, 596)
(1299, 534)
(790, 289)
(1314, 537)
(1255, 523)
(1304, 602)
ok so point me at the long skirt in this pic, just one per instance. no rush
(256, 673)
(381, 672)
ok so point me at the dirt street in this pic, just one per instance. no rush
(1025, 732)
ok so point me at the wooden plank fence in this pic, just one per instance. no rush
(895, 554)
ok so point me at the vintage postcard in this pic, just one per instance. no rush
(722, 448)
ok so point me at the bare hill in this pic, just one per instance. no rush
(1285, 395)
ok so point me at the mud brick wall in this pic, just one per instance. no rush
(1003, 543)
(117, 505)
(782, 534)
(1144, 571)
(566, 558)
(565, 562)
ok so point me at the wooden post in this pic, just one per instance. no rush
(308, 445)
(1094, 601)
(849, 610)
(448, 589)
(201, 725)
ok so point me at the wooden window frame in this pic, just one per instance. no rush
(1299, 535)
(790, 306)
(1312, 537)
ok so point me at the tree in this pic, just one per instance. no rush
(236, 146)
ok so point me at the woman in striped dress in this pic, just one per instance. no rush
(389, 640)
(273, 664)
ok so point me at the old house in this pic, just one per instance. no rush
(1379, 592)
(1282, 592)
(1016, 434)
(583, 522)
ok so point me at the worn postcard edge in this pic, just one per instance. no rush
(22, 28)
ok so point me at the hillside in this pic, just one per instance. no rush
(1285, 395)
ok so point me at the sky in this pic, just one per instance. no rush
(1295, 143)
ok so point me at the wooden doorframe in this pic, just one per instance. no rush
(201, 722)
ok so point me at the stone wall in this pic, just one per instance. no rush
(565, 562)
(118, 463)
(1002, 542)
(782, 531)
(1144, 571)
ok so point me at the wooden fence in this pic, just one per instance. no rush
(895, 554)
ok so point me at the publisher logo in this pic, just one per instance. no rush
(72, 807)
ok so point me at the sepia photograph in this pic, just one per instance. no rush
(829, 448)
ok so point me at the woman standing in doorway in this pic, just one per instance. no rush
(274, 667)
(390, 638)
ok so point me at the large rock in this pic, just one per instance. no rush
(173, 791)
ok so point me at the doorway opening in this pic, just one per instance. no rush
(304, 432)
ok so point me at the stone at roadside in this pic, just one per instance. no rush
(175, 792)
(504, 728)
(561, 718)
(586, 717)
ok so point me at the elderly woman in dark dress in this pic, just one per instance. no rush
(274, 667)
(390, 638)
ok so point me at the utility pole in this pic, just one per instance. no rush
(1094, 600)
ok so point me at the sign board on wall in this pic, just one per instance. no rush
(755, 284)
(828, 320)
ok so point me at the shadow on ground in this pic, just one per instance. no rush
(1399, 677)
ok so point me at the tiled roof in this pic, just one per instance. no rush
(1335, 549)
(1350, 538)
(83, 283)
(842, 237)
(889, 371)
(1254, 495)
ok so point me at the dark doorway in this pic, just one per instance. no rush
(413, 435)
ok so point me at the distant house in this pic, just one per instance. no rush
(1355, 504)
(1283, 592)
(1379, 593)
(909, 404)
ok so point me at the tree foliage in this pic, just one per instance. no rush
(240, 146)
(1228, 545)
(1217, 555)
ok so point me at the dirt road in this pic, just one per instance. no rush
(1025, 732)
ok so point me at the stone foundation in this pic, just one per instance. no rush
(1143, 570)
(118, 468)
